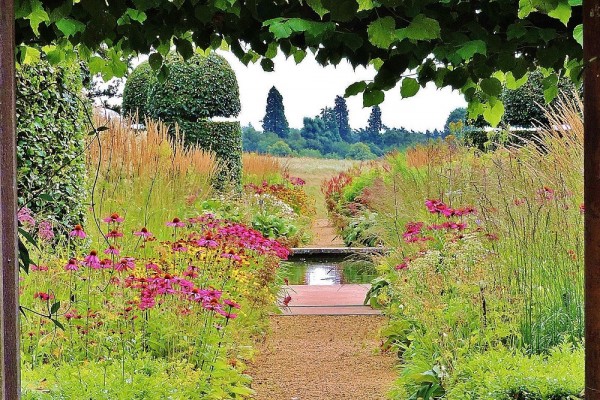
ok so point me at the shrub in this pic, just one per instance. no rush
(202, 87)
(50, 141)
(135, 92)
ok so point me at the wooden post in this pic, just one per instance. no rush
(591, 54)
(9, 285)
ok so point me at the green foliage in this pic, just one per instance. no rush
(222, 138)
(274, 226)
(201, 87)
(360, 151)
(51, 131)
(135, 92)
(457, 115)
(145, 378)
(439, 41)
(280, 149)
(274, 120)
(525, 105)
(501, 374)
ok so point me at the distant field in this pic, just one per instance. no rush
(314, 171)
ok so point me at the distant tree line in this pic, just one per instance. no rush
(327, 134)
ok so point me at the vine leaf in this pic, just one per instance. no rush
(381, 32)
(420, 28)
(409, 87)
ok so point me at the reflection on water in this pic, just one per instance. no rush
(325, 272)
(322, 274)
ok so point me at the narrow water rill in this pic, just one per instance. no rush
(328, 271)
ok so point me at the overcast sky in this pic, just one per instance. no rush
(308, 87)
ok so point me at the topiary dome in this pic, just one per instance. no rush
(202, 87)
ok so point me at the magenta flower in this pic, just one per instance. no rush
(78, 232)
(226, 314)
(112, 250)
(114, 234)
(24, 216)
(72, 265)
(178, 247)
(106, 264)
(153, 267)
(92, 260)
(231, 303)
(232, 256)
(113, 218)
(45, 231)
(176, 223)
(125, 264)
(43, 296)
(401, 266)
(143, 233)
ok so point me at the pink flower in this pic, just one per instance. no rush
(114, 234)
(72, 265)
(176, 223)
(143, 233)
(232, 256)
(34, 267)
(43, 296)
(112, 250)
(226, 314)
(113, 218)
(106, 264)
(582, 208)
(92, 260)
(125, 264)
(45, 231)
(78, 232)
(153, 267)
(437, 207)
(24, 216)
(231, 303)
(401, 266)
(178, 247)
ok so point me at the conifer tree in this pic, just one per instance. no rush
(274, 120)
(375, 125)
(341, 115)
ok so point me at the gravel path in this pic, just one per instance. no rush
(322, 358)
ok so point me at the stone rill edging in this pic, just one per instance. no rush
(305, 252)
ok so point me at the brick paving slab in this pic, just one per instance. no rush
(344, 299)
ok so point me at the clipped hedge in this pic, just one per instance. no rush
(51, 128)
(199, 88)
(202, 87)
(222, 138)
(135, 92)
